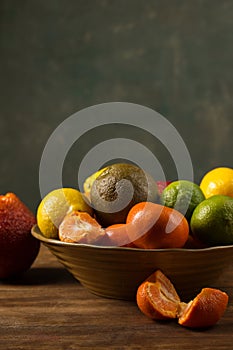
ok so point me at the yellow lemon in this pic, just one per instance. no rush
(218, 181)
(55, 206)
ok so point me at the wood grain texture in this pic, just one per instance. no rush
(48, 309)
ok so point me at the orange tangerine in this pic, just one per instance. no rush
(205, 310)
(152, 226)
(117, 235)
(157, 298)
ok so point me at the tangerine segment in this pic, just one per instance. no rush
(158, 276)
(80, 227)
(154, 226)
(205, 310)
(153, 301)
(157, 298)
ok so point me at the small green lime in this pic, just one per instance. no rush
(212, 221)
(183, 196)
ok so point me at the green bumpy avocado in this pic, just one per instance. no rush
(117, 189)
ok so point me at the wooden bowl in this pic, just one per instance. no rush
(116, 272)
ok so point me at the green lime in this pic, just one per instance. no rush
(212, 221)
(183, 196)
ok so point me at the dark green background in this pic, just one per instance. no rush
(57, 57)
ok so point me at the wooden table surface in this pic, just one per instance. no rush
(49, 309)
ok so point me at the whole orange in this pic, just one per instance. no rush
(18, 248)
(154, 226)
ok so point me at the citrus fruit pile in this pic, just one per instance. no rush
(158, 299)
(122, 205)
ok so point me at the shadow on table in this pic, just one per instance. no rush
(42, 276)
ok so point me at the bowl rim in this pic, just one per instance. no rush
(36, 233)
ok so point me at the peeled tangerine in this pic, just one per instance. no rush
(205, 310)
(80, 227)
(158, 299)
